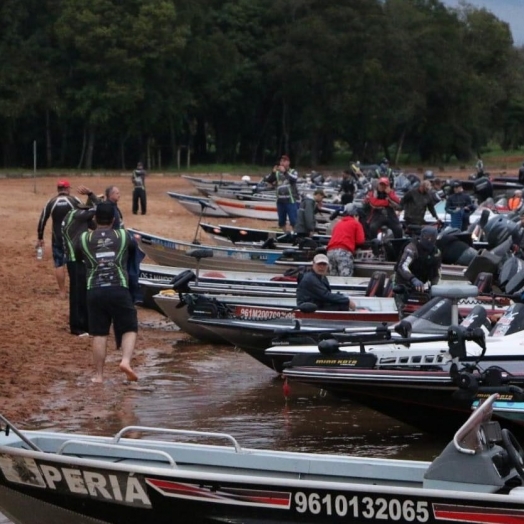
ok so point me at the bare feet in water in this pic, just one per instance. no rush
(130, 374)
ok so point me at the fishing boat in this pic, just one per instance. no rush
(414, 379)
(207, 186)
(287, 337)
(259, 209)
(371, 311)
(202, 477)
(170, 252)
(198, 205)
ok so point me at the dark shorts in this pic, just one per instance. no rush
(111, 304)
(59, 257)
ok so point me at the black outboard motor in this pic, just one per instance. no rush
(511, 322)
(454, 249)
(498, 229)
(511, 267)
(432, 317)
(477, 318)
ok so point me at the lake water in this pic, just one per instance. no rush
(220, 389)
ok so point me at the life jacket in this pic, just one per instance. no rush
(514, 203)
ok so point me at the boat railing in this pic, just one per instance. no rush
(186, 432)
(83, 443)
(467, 432)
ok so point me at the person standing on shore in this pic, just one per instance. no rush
(76, 222)
(57, 208)
(105, 251)
(139, 189)
(112, 195)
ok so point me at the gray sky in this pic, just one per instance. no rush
(510, 11)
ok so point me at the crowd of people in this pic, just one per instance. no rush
(89, 240)
(419, 263)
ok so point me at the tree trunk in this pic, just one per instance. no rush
(83, 151)
(91, 135)
(48, 148)
(400, 144)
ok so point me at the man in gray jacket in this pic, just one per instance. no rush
(306, 222)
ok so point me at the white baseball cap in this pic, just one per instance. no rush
(321, 259)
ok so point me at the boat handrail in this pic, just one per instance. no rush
(482, 413)
(187, 432)
(10, 426)
(86, 443)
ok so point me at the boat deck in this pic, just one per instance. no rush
(193, 460)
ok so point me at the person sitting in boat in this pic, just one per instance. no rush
(306, 222)
(418, 265)
(314, 287)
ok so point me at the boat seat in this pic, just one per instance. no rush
(454, 292)
(200, 253)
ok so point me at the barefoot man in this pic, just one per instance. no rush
(105, 251)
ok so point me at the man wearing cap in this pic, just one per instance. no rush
(418, 265)
(459, 206)
(314, 288)
(284, 180)
(347, 234)
(415, 203)
(382, 203)
(105, 252)
(57, 208)
(306, 222)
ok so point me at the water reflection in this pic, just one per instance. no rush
(219, 389)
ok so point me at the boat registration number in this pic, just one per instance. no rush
(362, 507)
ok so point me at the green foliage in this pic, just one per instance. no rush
(108, 82)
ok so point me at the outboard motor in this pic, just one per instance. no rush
(513, 266)
(453, 248)
(511, 322)
(477, 318)
(432, 317)
(498, 229)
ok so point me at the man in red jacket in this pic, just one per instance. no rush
(347, 234)
(383, 203)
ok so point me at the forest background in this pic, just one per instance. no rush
(102, 84)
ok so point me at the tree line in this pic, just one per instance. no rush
(106, 83)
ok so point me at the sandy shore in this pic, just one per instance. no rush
(37, 353)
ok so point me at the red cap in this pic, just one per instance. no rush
(383, 180)
(63, 183)
(284, 157)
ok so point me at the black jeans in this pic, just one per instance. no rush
(139, 195)
(78, 321)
